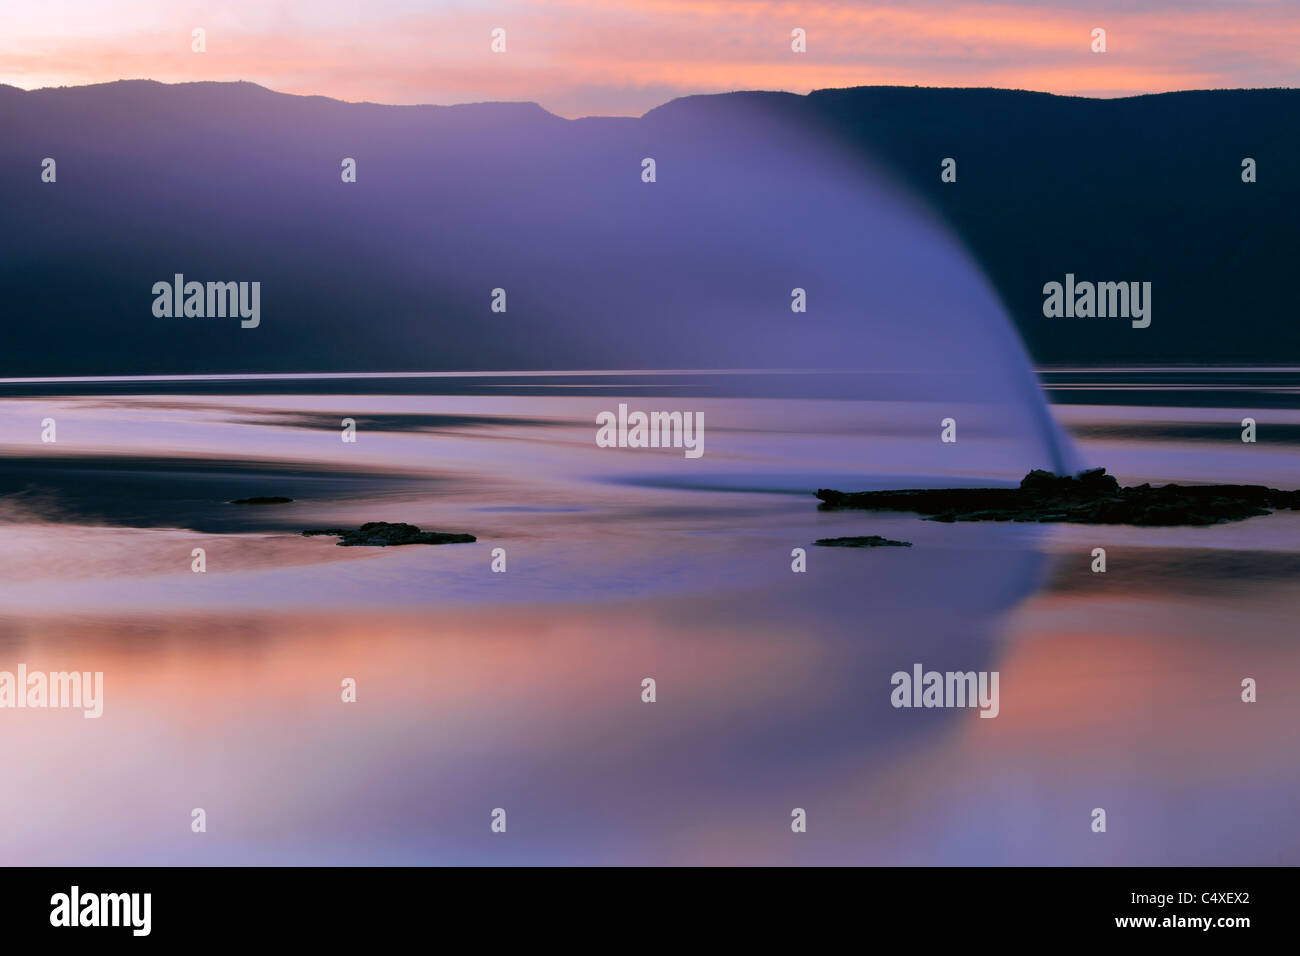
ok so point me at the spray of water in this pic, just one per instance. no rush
(701, 268)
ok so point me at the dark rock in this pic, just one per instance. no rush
(273, 500)
(1092, 497)
(381, 534)
(1094, 481)
(870, 541)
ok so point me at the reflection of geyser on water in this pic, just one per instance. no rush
(910, 345)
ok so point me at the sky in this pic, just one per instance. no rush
(605, 57)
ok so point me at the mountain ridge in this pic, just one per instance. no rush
(229, 179)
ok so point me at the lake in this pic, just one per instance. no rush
(478, 689)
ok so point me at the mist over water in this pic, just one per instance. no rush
(697, 270)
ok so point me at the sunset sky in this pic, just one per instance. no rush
(585, 57)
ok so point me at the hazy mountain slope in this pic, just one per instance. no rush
(234, 182)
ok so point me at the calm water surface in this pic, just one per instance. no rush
(522, 690)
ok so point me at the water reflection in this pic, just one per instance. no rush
(479, 690)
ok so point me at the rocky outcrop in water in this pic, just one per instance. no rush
(381, 534)
(1092, 497)
(262, 500)
(869, 541)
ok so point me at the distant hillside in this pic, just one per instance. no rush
(229, 181)
(1141, 188)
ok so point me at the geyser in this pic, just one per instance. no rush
(759, 244)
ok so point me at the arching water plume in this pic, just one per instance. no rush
(698, 269)
(601, 270)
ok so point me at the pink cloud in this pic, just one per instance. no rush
(581, 56)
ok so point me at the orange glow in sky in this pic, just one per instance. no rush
(585, 57)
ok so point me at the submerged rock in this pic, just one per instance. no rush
(870, 541)
(1092, 497)
(272, 500)
(381, 534)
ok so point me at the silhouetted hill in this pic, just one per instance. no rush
(230, 181)
(1141, 188)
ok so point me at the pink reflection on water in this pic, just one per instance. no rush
(523, 690)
